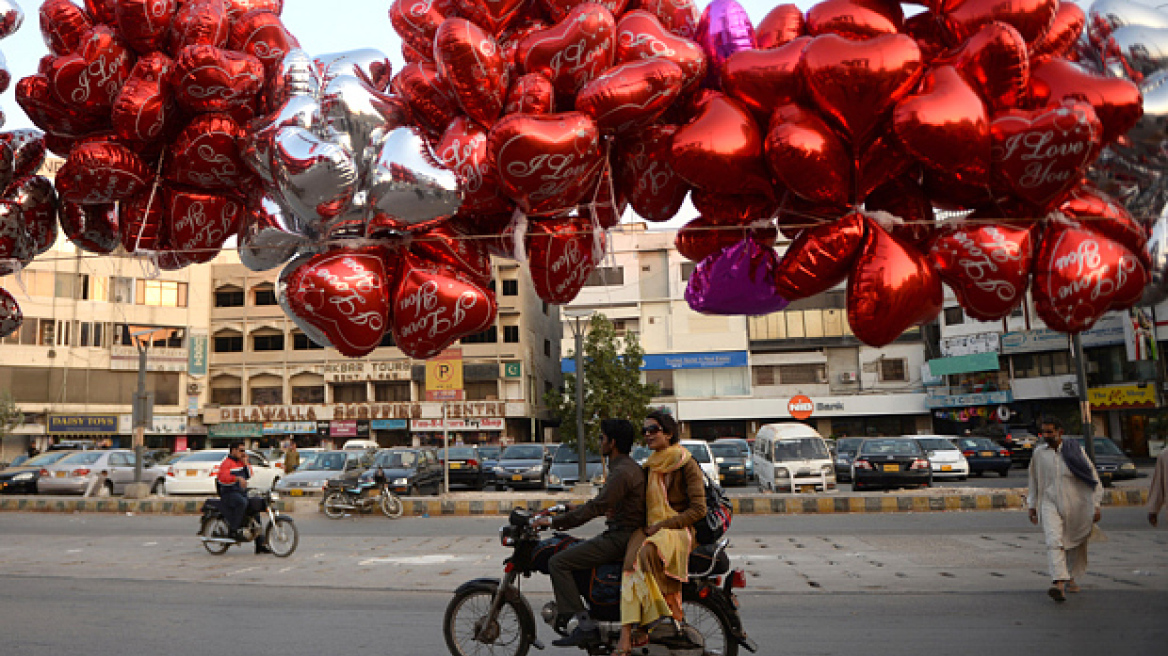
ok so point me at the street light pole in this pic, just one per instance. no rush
(581, 447)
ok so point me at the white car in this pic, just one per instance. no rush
(700, 450)
(195, 473)
(945, 458)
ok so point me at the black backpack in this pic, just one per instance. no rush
(719, 512)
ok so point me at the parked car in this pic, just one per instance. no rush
(490, 454)
(74, 473)
(306, 456)
(410, 471)
(744, 449)
(700, 450)
(565, 468)
(1020, 442)
(465, 465)
(984, 455)
(1111, 463)
(731, 461)
(313, 477)
(792, 457)
(889, 462)
(521, 465)
(195, 474)
(845, 450)
(21, 477)
(944, 457)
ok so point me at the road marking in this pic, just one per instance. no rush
(429, 559)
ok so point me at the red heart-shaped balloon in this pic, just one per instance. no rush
(1079, 276)
(63, 24)
(987, 267)
(629, 96)
(237, 8)
(644, 173)
(210, 79)
(413, 56)
(765, 79)
(678, 16)
(1063, 33)
(435, 305)
(509, 41)
(1117, 102)
(721, 149)
(469, 59)
(1041, 154)
(1103, 214)
(450, 244)
(702, 237)
(145, 110)
(780, 26)
(531, 94)
(930, 36)
(808, 157)
(38, 209)
(463, 150)
(905, 199)
(639, 35)
(855, 19)
(198, 223)
(560, 255)
(546, 163)
(11, 317)
(558, 10)
(856, 82)
(734, 209)
(492, 15)
(144, 24)
(574, 51)
(821, 257)
(431, 101)
(91, 79)
(205, 154)
(946, 126)
(892, 287)
(994, 61)
(140, 221)
(199, 23)
(1032, 18)
(16, 244)
(416, 22)
(92, 228)
(344, 293)
(103, 11)
(28, 151)
(262, 35)
(102, 172)
(35, 96)
(609, 205)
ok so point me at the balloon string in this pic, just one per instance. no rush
(519, 235)
(150, 201)
(17, 272)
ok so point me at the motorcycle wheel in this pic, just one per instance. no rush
(710, 621)
(216, 528)
(332, 505)
(283, 536)
(468, 611)
(391, 505)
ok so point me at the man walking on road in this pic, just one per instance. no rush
(1065, 495)
(1158, 490)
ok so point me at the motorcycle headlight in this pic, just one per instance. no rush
(553, 479)
(401, 481)
(23, 476)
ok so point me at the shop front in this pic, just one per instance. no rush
(1128, 412)
(167, 432)
(92, 430)
(854, 415)
(390, 432)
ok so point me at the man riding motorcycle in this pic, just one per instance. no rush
(231, 482)
(622, 501)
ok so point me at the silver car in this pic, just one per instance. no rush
(564, 471)
(313, 476)
(75, 473)
(521, 465)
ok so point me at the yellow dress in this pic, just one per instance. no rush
(642, 600)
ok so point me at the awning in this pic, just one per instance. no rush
(964, 364)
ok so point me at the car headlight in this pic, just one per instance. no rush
(401, 481)
(719, 460)
(23, 476)
(500, 470)
(781, 472)
(536, 468)
(553, 479)
(1126, 465)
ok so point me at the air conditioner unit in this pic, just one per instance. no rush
(848, 377)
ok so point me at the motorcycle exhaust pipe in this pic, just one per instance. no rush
(219, 540)
(345, 506)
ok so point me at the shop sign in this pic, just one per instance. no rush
(261, 414)
(62, 424)
(289, 427)
(389, 424)
(1108, 331)
(966, 400)
(800, 407)
(125, 358)
(512, 369)
(197, 361)
(444, 376)
(431, 425)
(161, 425)
(1122, 397)
(235, 430)
(345, 411)
(360, 371)
(343, 429)
(970, 344)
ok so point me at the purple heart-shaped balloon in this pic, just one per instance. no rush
(738, 279)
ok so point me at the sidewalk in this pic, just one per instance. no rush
(470, 504)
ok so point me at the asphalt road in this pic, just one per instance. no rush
(895, 584)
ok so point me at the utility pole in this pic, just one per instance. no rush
(1084, 400)
(143, 412)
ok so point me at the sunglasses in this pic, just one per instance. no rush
(650, 430)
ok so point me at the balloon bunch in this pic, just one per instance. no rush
(849, 124)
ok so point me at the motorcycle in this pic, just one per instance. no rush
(341, 499)
(280, 535)
(493, 616)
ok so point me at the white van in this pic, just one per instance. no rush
(792, 457)
(359, 445)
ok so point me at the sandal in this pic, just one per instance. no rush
(1056, 593)
(1073, 587)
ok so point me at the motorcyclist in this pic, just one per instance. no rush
(231, 482)
(622, 502)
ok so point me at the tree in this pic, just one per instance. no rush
(10, 418)
(612, 384)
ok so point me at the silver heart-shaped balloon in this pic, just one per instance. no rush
(10, 315)
(258, 144)
(17, 247)
(270, 237)
(357, 116)
(297, 75)
(1136, 51)
(11, 18)
(1157, 250)
(406, 186)
(367, 64)
(314, 333)
(1106, 16)
(315, 178)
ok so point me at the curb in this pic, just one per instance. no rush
(762, 504)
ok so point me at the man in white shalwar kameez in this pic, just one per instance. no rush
(1065, 495)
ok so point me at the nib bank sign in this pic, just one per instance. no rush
(800, 407)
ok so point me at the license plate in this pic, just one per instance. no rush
(59, 474)
(946, 467)
(891, 468)
(295, 493)
(986, 454)
(721, 477)
(456, 465)
(192, 472)
(517, 477)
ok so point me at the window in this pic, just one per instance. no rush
(545, 308)
(228, 343)
(46, 332)
(954, 316)
(308, 394)
(123, 289)
(892, 370)
(350, 393)
(802, 374)
(387, 339)
(228, 297)
(547, 348)
(265, 295)
(1017, 311)
(606, 277)
(267, 395)
(687, 269)
(510, 287)
(27, 334)
(488, 336)
(301, 342)
(662, 379)
(392, 392)
(68, 285)
(486, 390)
(510, 334)
(161, 293)
(227, 396)
(268, 342)
(64, 331)
(763, 374)
(101, 289)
